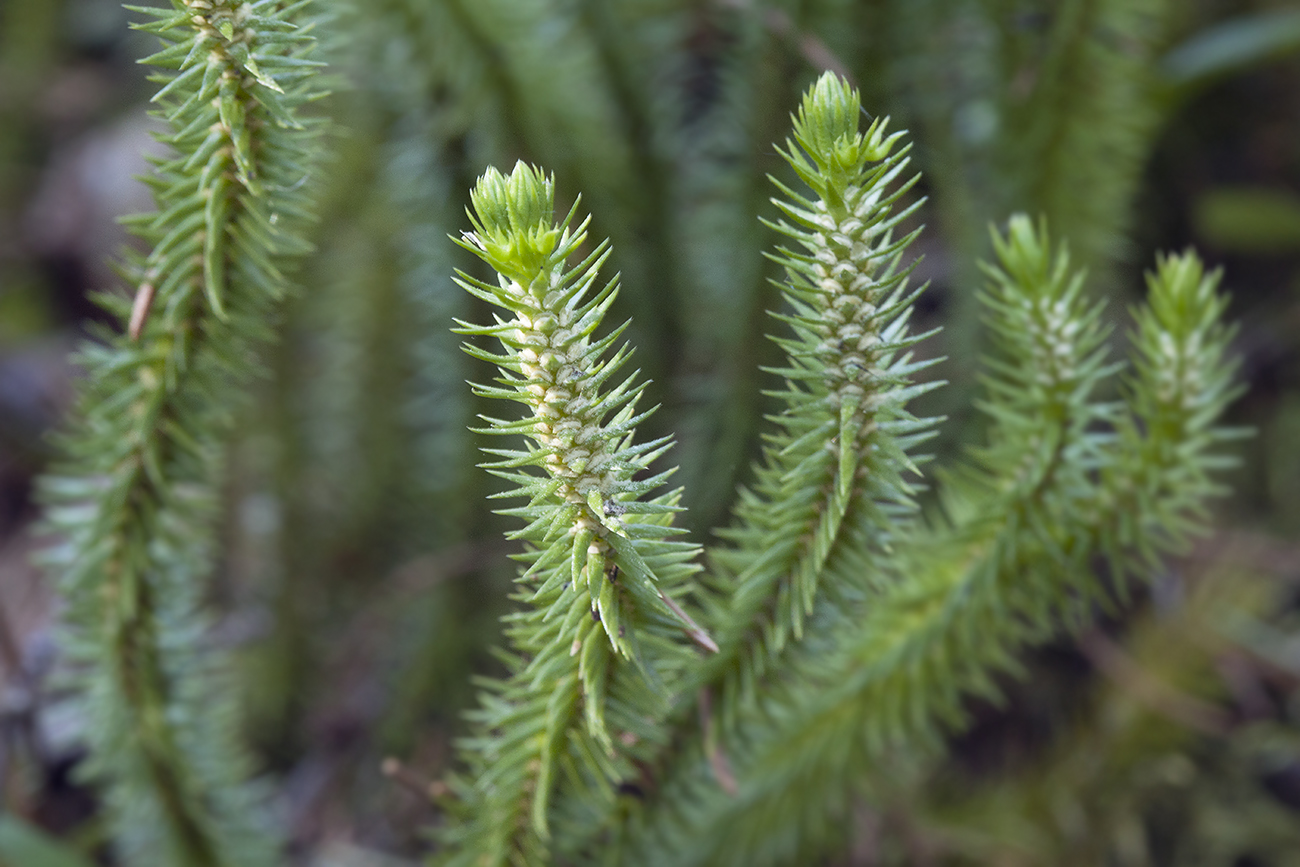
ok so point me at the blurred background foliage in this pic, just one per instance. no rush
(361, 575)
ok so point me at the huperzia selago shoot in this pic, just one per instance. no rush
(604, 636)
(833, 479)
(134, 500)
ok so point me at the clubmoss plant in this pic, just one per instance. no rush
(851, 627)
(660, 702)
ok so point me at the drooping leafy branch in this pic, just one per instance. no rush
(134, 500)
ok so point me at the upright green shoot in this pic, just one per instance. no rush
(134, 501)
(601, 641)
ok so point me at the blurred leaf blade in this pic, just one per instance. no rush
(1230, 47)
(1249, 220)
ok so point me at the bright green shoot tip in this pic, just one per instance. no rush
(826, 127)
(513, 220)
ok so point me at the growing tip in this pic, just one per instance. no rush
(829, 112)
(514, 218)
(516, 202)
(826, 127)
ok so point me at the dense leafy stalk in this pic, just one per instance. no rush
(1153, 497)
(601, 638)
(134, 500)
(1087, 123)
(838, 458)
(1046, 106)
